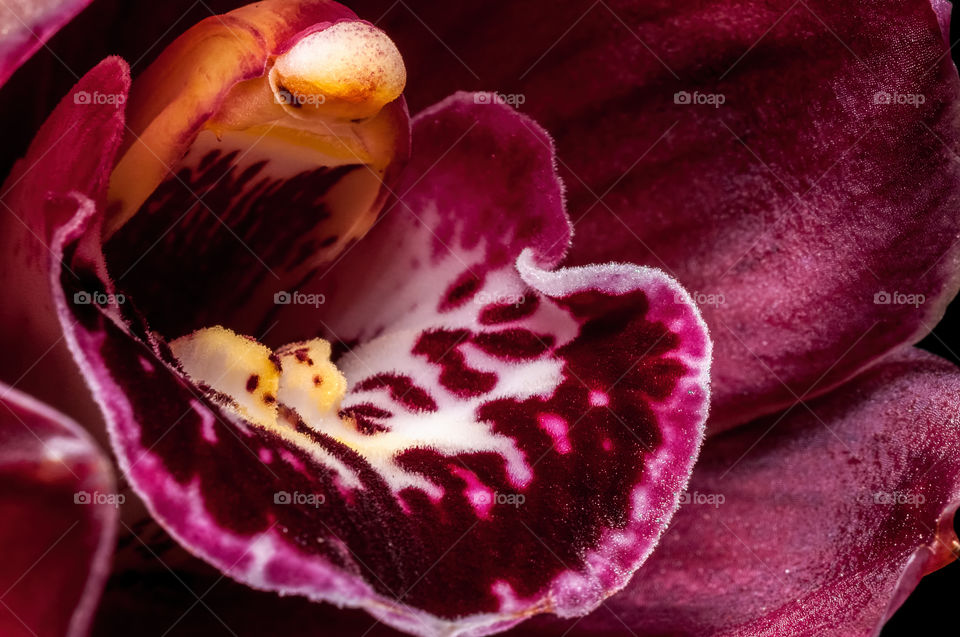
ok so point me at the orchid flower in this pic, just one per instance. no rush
(450, 373)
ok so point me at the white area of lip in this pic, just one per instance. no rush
(452, 429)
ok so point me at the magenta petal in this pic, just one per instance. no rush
(785, 209)
(820, 521)
(553, 415)
(26, 26)
(65, 170)
(58, 512)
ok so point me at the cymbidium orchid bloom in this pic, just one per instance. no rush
(362, 358)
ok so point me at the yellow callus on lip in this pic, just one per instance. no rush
(350, 69)
(310, 383)
(247, 378)
(237, 371)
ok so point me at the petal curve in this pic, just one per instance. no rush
(35, 201)
(829, 516)
(26, 26)
(59, 515)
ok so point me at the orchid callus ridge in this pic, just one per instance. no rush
(343, 353)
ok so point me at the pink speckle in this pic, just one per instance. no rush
(292, 460)
(266, 456)
(146, 365)
(557, 428)
(206, 422)
(477, 493)
(599, 398)
(607, 444)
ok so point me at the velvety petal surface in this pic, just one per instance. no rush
(819, 521)
(793, 164)
(497, 407)
(25, 25)
(58, 512)
(65, 169)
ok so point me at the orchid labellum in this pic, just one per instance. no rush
(449, 373)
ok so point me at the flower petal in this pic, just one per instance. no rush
(543, 419)
(59, 514)
(26, 25)
(818, 521)
(71, 154)
(785, 209)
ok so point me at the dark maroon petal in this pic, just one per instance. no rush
(58, 512)
(786, 209)
(552, 444)
(26, 26)
(65, 169)
(819, 521)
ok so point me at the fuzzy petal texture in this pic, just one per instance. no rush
(25, 25)
(65, 169)
(59, 512)
(812, 210)
(502, 407)
(817, 522)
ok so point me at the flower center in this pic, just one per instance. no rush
(242, 109)
(349, 70)
(244, 377)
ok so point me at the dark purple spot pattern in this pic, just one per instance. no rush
(215, 232)
(401, 544)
